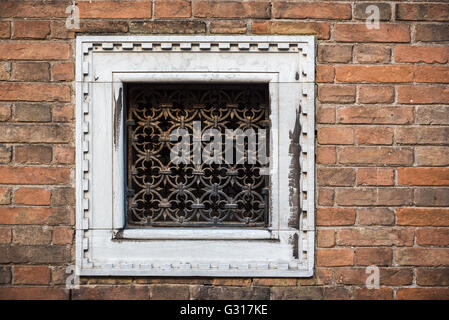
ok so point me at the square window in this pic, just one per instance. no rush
(195, 155)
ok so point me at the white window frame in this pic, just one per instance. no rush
(104, 247)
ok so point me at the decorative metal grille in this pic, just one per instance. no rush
(162, 193)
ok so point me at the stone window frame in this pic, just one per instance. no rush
(103, 247)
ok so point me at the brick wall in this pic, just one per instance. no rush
(382, 144)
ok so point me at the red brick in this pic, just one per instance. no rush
(422, 217)
(326, 155)
(396, 276)
(37, 154)
(30, 29)
(432, 156)
(115, 10)
(335, 135)
(375, 155)
(62, 113)
(59, 30)
(337, 293)
(379, 236)
(335, 217)
(373, 256)
(325, 238)
(360, 33)
(231, 9)
(421, 54)
(375, 115)
(376, 94)
(432, 32)
(432, 277)
(34, 92)
(63, 71)
(325, 73)
(326, 196)
(326, 114)
(335, 53)
(34, 293)
(360, 12)
(5, 195)
(30, 71)
(323, 276)
(350, 276)
(62, 235)
(373, 294)
(25, 215)
(34, 175)
(375, 216)
(371, 54)
(374, 135)
(228, 26)
(422, 294)
(5, 29)
(5, 235)
(34, 50)
(34, 133)
(432, 236)
(334, 257)
(32, 196)
(423, 176)
(422, 256)
(5, 112)
(336, 93)
(422, 94)
(432, 114)
(64, 154)
(374, 74)
(375, 177)
(302, 10)
(432, 74)
(31, 275)
(321, 29)
(172, 9)
(33, 9)
(335, 176)
(422, 11)
(422, 135)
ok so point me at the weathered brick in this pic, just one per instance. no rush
(33, 9)
(5, 195)
(325, 74)
(432, 197)
(432, 156)
(373, 196)
(231, 9)
(432, 114)
(115, 10)
(277, 282)
(32, 175)
(337, 293)
(375, 177)
(5, 235)
(34, 91)
(335, 135)
(34, 293)
(320, 29)
(375, 155)
(381, 236)
(422, 217)
(32, 112)
(422, 94)
(5, 112)
(62, 235)
(423, 176)
(325, 238)
(374, 74)
(5, 275)
(229, 293)
(103, 26)
(5, 154)
(361, 14)
(396, 276)
(326, 196)
(360, 33)
(335, 53)
(373, 256)
(432, 236)
(374, 135)
(422, 11)
(31, 71)
(37, 154)
(326, 114)
(64, 196)
(62, 113)
(303, 10)
(169, 292)
(32, 196)
(376, 94)
(335, 217)
(5, 29)
(375, 216)
(228, 26)
(34, 50)
(63, 71)
(34, 133)
(432, 74)
(35, 254)
(30, 29)
(334, 257)
(326, 155)
(336, 176)
(432, 32)
(168, 26)
(371, 54)
(373, 294)
(64, 154)
(351, 276)
(336, 93)
(421, 54)
(322, 276)
(422, 294)
(422, 256)
(31, 274)
(298, 293)
(59, 30)
(172, 9)
(375, 115)
(422, 135)
(432, 277)
(31, 235)
(5, 70)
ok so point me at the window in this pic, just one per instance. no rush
(195, 155)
